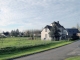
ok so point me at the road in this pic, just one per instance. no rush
(56, 54)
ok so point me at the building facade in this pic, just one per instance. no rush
(46, 30)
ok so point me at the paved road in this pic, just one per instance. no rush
(56, 54)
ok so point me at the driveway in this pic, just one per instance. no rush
(56, 54)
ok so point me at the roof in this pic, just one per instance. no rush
(49, 27)
(58, 24)
(72, 30)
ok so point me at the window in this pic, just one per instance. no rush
(45, 35)
(45, 29)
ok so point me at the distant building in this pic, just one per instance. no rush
(45, 32)
(2, 35)
(71, 31)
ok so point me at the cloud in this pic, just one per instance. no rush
(32, 14)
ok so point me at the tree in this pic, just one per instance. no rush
(28, 33)
(13, 33)
(54, 33)
(17, 32)
(78, 27)
(37, 33)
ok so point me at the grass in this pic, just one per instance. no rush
(15, 47)
(74, 58)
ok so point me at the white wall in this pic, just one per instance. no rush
(43, 35)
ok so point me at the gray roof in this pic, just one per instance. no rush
(58, 24)
(72, 30)
(49, 27)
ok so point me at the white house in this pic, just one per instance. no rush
(45, 32)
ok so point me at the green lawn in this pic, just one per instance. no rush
(19, 42)
(19, 46)
(74, 58)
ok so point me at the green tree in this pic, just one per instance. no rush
(54, 33)
(17, 32)
(13, 33)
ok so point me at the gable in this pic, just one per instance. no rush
(45, 30)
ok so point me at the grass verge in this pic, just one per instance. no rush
(74, 58)
(32, 50)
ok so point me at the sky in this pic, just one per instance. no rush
(36, 14)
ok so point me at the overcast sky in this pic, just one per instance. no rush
(35, 14)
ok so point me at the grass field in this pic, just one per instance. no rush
(19, 42)
(19, 46)
(74, 58)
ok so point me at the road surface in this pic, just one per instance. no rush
(56, 54)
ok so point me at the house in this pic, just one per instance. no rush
(46, 30)
(71, 31)
(2, 35)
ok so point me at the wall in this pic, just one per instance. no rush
(43, 35)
